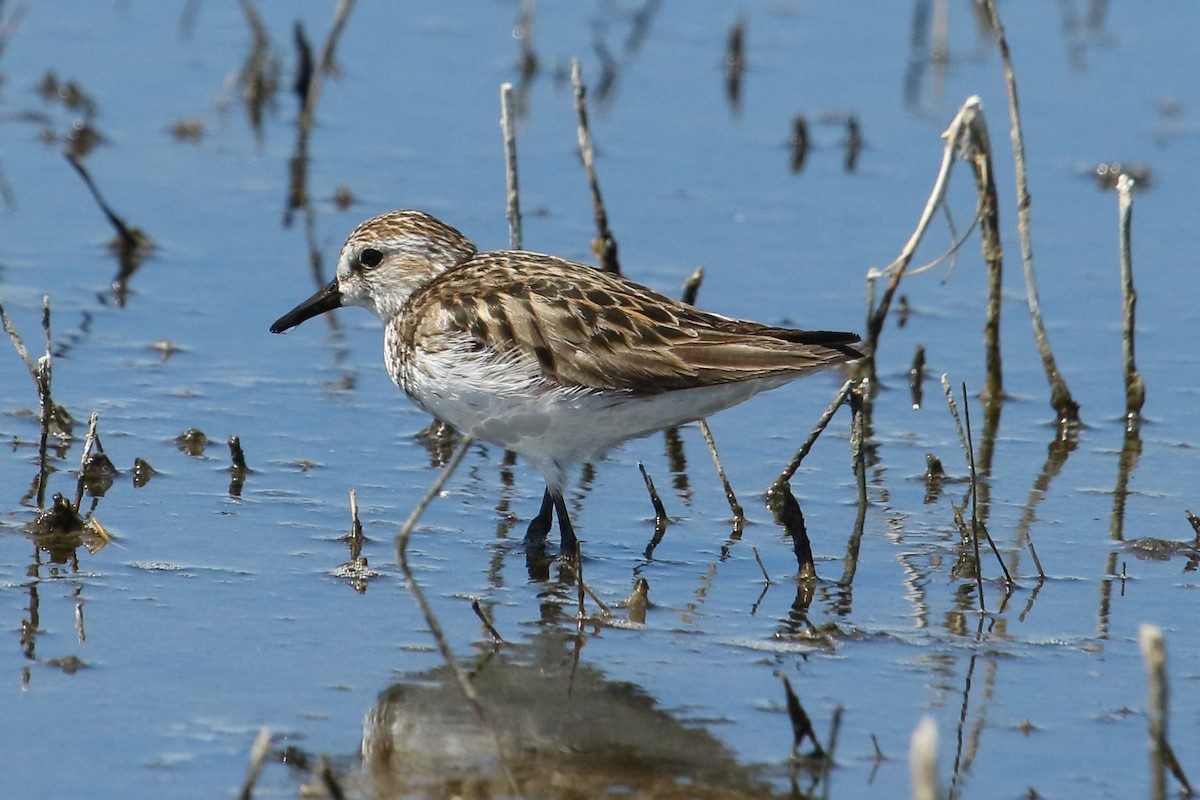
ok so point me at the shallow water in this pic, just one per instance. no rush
(147, 667)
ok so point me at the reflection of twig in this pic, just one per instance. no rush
(801, 725)
(1060, 395)
(604, 245)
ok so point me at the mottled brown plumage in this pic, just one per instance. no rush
(554, 360)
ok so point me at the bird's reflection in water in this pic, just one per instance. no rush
(567, 731)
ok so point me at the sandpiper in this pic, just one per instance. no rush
(554, 360)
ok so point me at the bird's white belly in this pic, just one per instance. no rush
(509, 404)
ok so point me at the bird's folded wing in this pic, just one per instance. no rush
(587, 328)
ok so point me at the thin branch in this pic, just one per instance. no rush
(1060, 395)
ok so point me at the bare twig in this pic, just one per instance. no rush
(660, 513)
(487, 623)
(766, 578)
(956, 138)
(1135, 388)
(841, 397)
(1060, 395)
(258, 756)
(513, 195)
(691, 286)
(1162, 756)
(974, 500)
(739, 516)
(11, 330)
(604, 245)
(922, 760)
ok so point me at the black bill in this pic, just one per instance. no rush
(327, 299)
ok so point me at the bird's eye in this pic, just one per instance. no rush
(370, 258)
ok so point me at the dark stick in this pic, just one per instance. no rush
(1060, 395)
(739, 516)
(604, 245)
(974, 500)
(487, 623)
(660, 513)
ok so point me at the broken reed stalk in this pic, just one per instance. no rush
(11, 330)
(604, 245)
(766, 578)
(1060, 396)
(45, 404)
(739, 516)
(1162, 755)
(487, 623)
(957, 139)
(435, 627)
(979, 153)
(691, 286)
(965, 440)
(660, 512)
(974, 500)
(90, 441)
(922, 760)
(512, 202)
(841, 397)
(355, 539)
(259, 751)
(1135, 388)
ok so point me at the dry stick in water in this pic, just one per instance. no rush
(979, 153)
(487, 623)
(513, 194)
(11, 330)
(974, 501)
(739, 516)
(922, 760)
(965, 441)
(691, 286)
(1162, 756)
(258, 756)
(841, 397)
(956, 139)
(1060, 395)
(1135, 388)
(660, 513)
(604, 245)
(45, 404)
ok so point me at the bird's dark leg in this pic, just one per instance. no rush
(539, 526)
(565, 528)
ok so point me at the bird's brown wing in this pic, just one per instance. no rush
(587, 328)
